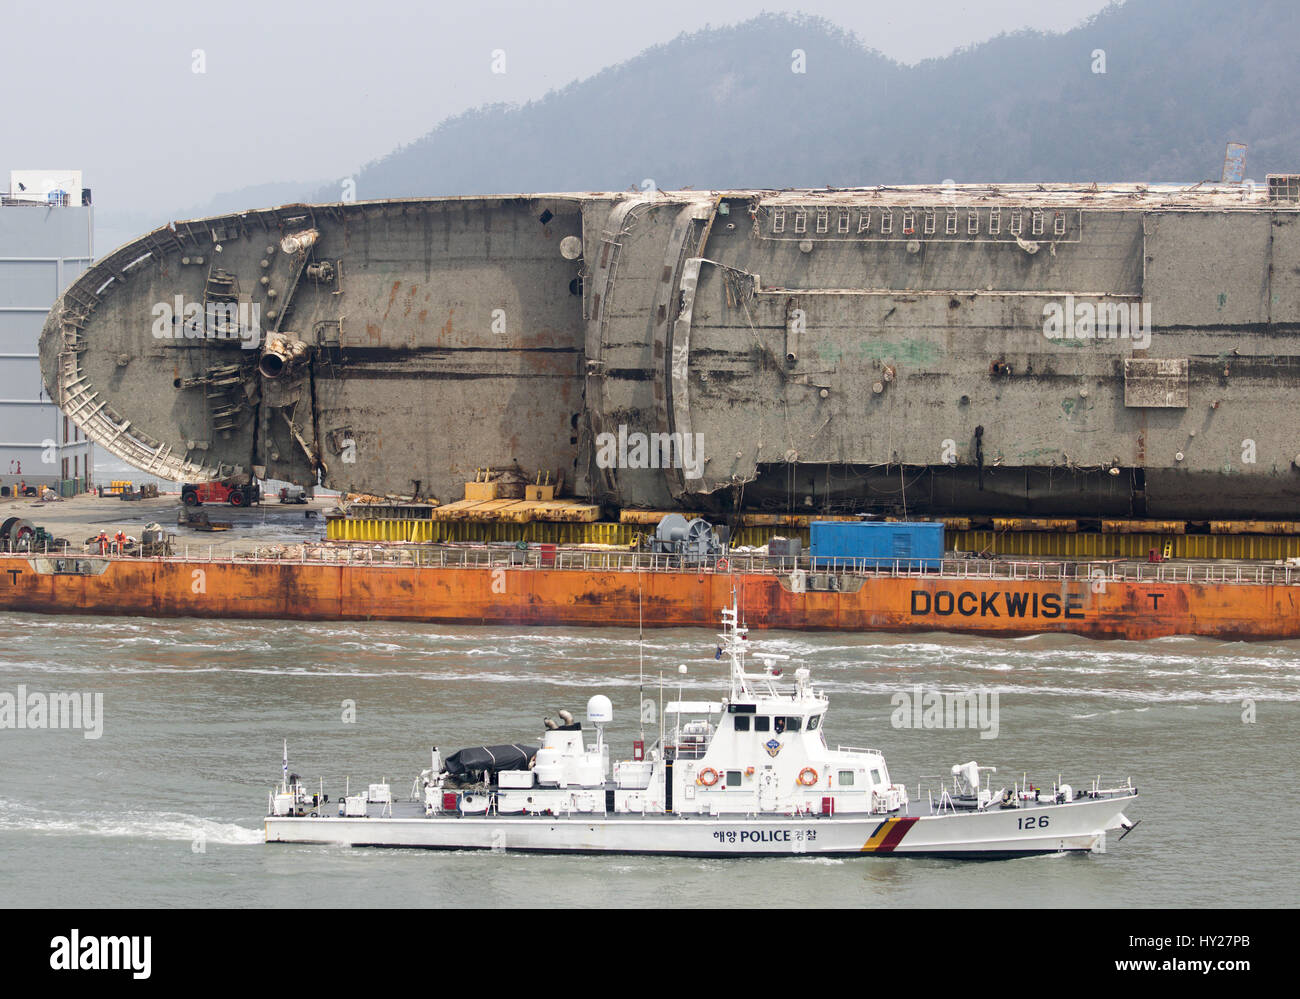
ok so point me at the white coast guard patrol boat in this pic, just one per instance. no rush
(748, 775)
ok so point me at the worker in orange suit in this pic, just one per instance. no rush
(119, 540)
(103, 543)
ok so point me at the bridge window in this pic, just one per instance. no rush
(846, 778)
(814, 721)
(733, 778)
(742, 723)
(762, 723)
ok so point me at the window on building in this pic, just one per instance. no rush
(973, 223)
(1036, 223)
(1017, 223)
(995, 220)
(844, 222)
(846, 778)
(950, 224)
(929, 223)
(864, 220)
(1058, 224)
(778, 220)
(823, 220)
(800, 221)
(887, 221)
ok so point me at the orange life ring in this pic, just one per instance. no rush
(722, 565)
(807, 777)
(708, 777)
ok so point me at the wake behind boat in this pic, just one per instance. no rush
(750, 774)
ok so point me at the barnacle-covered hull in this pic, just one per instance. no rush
(1116, 351)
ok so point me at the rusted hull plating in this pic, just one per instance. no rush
(544, 597)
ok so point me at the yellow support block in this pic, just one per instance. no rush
(1134, 546)
(645, 518)
(481, 490)
(1143, 527)
(1254, 527)
(1035, 524)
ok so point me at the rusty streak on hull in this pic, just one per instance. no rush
(543, 597)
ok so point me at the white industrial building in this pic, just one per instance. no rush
(46, 241)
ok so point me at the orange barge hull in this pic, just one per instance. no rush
(665, 598)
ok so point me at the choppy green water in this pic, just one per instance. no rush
(165, 808)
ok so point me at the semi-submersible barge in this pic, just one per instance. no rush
(1091, 352)
(577, 588)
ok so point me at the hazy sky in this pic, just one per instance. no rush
(307, 92)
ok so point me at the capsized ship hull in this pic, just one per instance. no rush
(1020, 349)
(1153, 607)
(1080, 826)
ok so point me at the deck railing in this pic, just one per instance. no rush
(829, 576)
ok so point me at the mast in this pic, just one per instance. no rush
(640, 641)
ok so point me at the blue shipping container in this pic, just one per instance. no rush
(909, 545)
